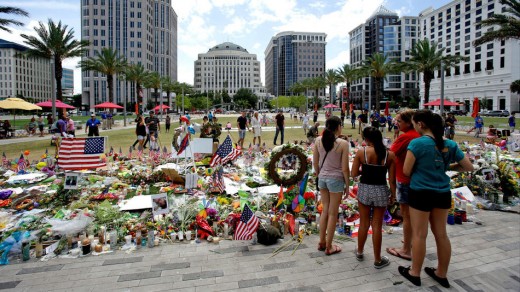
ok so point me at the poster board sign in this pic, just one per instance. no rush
(463, 193)
(160, 204)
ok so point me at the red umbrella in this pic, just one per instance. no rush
(330, 105)
(476, 107)
(158, 108)
(437, 102)
(59, 104)
(387, 108)
(108, 105)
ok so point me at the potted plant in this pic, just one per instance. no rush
(185, 215)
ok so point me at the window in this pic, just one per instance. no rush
(467, 69)
(489, 65)
(478, 49)
(467, 30)
(502, 62)
(502, 51)
(478, 57)
(490, 54)
(490, 46)
(457, 70)
(477, 67)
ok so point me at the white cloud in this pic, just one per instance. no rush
(55, 5)
(317, 4)
(257, 46)
(341, 58)
(237, 26)
(227, 3)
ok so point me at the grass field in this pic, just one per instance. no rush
(124, 137)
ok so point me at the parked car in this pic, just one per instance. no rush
(498, 113)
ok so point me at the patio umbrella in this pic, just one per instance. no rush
(161, 107)
(108, 105)
(387, 108)
(437, 102)
(59, 104)
(17, 103)
(330, 105)
(476, 107)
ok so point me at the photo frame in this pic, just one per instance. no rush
(160, 204)
(71, 180)
(489, 175)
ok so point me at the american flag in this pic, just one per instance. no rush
(225, 153)
(247, 225)
(21, 163)
(130, 152)
(81, 153)
(140, 152)
(111, 151)
(120, 151)
(217, 180)
(164, 153)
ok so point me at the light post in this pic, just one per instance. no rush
(53, 87)
(442, 89)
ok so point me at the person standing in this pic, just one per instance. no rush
(110, 120)
(41, 124)
(427, 160)
(390, 122)
(353, 119)
(169, 121)
(71, 128)
(363, 120)
(104, 119)
(399, 147)
(62, 125)
(479, 123)
(280, 125)
(330, 161)
(312, 134)
(342, 118)
(257, 129)
(137, 119)
(140, 131)
(450, 126)
(154, 126)
(305, 120)
(373, 193)
(382, 124)
(50, 122)
(210, 118)
(512, 122)
(315, 116)
(242, 124)
(92, 126)
(264, 120)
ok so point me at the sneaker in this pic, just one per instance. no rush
(359, 256)
(382, 263)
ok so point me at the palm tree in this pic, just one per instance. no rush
(378, 66)
(154, 81)
(107, 62)
(332, 78)
(426, 57)
(4, 22)
(317, 83)
(137, 74)
(167, 86)
(509, 24)
(515, 86)
(54, 41)
(347, 73)
(297, 88)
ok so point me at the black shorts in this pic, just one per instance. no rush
(426, 200)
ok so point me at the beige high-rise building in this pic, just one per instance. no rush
(22, 76)
(143, 31)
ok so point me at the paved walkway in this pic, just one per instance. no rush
(485, 257)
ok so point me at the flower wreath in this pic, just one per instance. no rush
(300, 168)
(175, 141)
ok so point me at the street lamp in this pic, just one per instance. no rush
(53, 87)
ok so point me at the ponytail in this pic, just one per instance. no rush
(328, 137)
(373, 135)
(434, 122)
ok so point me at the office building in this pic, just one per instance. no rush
(143, 31)
(67, 82)
(491, 67)
(386, 33)
(24, 77)
(292, 57)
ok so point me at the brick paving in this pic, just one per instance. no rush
(485, 257)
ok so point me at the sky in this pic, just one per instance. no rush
(203, 24)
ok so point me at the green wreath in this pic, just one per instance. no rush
(276, 156)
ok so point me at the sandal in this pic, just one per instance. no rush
(336, 249)
(443, 281)
(322, 246)
(405, 272)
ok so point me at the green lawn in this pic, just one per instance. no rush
(125, 137)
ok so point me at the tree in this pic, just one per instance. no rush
(153, 81)
(54, 41)
(347, 73)
(297, 88)
(167, 86)
(297, 101)
(378, 66)
(316, 84)
(245, 98)
(137, 74)
(4, 22)
(331, 78)
(280, 102)
(515, 86)
(107, 62)
(425, 58)
(508, 24)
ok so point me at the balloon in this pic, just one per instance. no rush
(26, 152)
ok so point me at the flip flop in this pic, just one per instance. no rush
(336, 249)
(393, 251)
(322, 246)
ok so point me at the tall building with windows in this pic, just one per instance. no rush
(143, 31)
(491, 67)
(291, 57)
(388, 34)
(22, 76)
(67, 82)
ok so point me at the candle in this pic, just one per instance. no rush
(226, 230)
